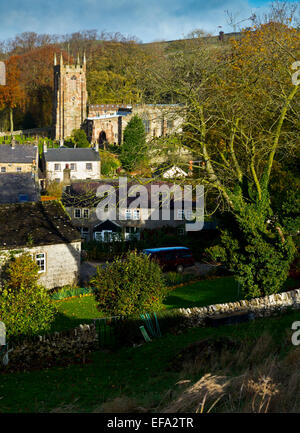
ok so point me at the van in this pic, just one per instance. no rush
(171, 258)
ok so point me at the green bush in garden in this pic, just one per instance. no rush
(130, 285)
(25, 306)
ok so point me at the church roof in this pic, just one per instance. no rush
(65, 154)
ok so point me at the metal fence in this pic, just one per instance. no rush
(105, 328)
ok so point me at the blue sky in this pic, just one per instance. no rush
(149, 20)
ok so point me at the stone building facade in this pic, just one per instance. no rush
(104, 123)
(17, 158)
(44, 231)
(67, 164)
(80, 201)
(70, 98)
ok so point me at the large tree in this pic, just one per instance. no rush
(241, 112)
(134, 148)
(12, 94)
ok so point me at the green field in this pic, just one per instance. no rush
(140, 372)
(75, 311)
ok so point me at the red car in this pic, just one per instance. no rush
(172, 258)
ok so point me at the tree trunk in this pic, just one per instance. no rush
(11, 119)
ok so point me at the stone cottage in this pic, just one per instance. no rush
(45, 231)
(65, 164)
(17, 158)
(80, 200)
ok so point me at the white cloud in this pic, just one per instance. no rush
(148, 20)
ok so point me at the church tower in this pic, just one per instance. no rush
(70, 97)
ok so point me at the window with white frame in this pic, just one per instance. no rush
(128, 214)
(40, 260)
(57, 167)
(19, 169)
(77, 213)
(3, 169)
(89, 166)
(86, 213)
(180, 214)
(136, 214)
(146, 123)
(185, 214)
(73, 167)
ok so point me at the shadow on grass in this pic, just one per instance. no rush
(63, 322)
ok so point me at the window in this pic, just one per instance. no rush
(40, 260)
(19, 169)
(73, 167)
(77, 213)
(180, 214)
(189, 214)
(146, 125)
(23, 198)
(136, 214)
(86, 213)
(128, 214)
(3, 169)
(84, 232)
(57, 167)
(89, 166)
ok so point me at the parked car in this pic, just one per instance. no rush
(172, 258)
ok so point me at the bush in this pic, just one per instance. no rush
(25, 306)
(78, 139)
(130, 285)
(109, 163)
(68, 292)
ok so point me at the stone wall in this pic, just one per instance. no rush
(60, 348)
(259, 307)
(62, 265)
(70, 99)
(35, 132)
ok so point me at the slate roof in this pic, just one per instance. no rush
(18, 154)
(44, 223)
(83, 194)
(12, 185)
(65, 154)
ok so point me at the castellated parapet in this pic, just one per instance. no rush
(70, 98)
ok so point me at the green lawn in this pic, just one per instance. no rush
(73, 312)
(140, 372)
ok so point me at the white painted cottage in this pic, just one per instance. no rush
(80, 163)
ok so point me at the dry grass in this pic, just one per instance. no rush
(264, 383)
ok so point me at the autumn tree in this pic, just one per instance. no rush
(12, 94)
(241, 112)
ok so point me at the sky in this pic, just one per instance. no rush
(149, 20)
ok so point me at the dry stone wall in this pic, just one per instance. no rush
(259, 307)
(59, 348)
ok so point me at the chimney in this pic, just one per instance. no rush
(13, 142)
(96, 146)
(45, 147)
(61, 142)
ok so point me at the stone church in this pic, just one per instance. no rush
(103, 123)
